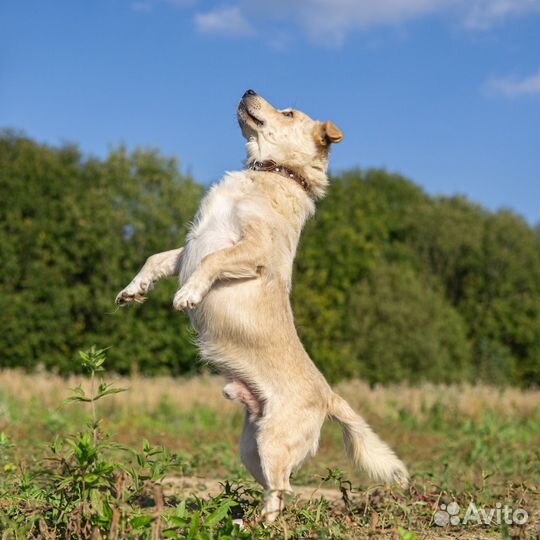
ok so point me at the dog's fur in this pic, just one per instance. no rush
(236, 270)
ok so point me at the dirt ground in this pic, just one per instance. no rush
(210, 487)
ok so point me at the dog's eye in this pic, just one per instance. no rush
(290, 114)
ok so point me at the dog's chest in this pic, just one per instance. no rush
(217, 225)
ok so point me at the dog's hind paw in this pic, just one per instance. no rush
(134, 293)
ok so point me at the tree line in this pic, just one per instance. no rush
(390, 284)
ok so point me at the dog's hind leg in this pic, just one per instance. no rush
(284, 442)
(156, 267)
(249, 451)
(277, 465)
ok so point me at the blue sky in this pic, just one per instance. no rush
(446, 92)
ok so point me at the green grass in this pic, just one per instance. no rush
(461, 444)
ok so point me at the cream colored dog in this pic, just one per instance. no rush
(235, 271)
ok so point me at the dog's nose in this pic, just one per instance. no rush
(249, 92)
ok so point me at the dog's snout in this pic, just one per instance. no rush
(249, 92)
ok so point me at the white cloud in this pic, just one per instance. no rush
(512, 87)
(145, 6)
(332, 20)
(142, 7)
(225, 21)
(485, 13)
(180, 3)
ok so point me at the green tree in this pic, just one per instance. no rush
(73, 233)
(339, 247)
(402, 330)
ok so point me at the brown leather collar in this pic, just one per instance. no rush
(272, 166)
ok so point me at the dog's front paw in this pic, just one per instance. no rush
(135, 292)
(188, 297)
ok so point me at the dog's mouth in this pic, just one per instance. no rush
(245, 112)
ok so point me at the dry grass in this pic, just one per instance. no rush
(146, 394)
(143, 393)
(464, 400)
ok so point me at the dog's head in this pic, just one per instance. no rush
(288, 137)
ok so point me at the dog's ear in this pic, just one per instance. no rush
(327, 133)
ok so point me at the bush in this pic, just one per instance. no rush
(405, 331)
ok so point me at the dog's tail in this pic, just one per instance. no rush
(364, 447)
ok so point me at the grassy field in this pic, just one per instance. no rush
(462, 444)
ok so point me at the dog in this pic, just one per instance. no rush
(235, 272)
